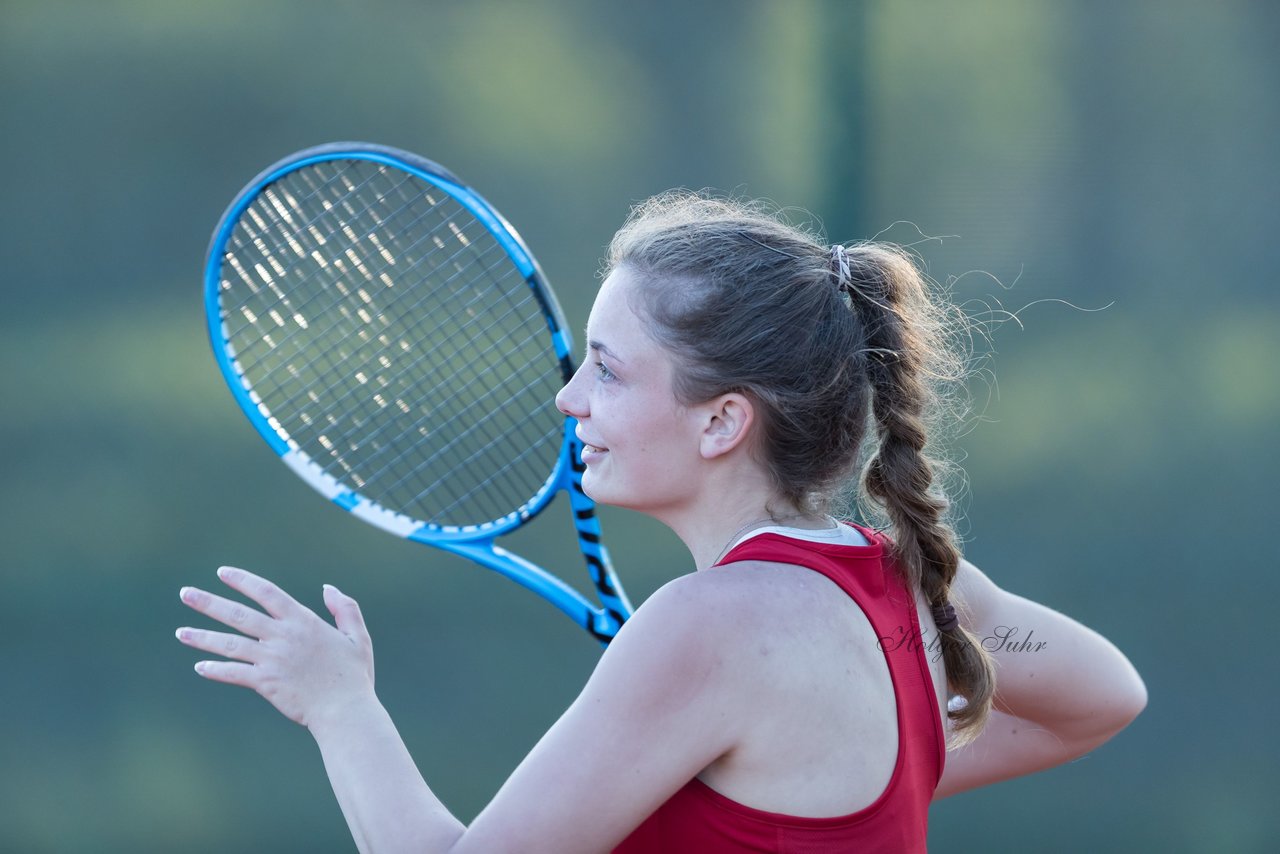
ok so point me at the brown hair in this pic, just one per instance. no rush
(751, 304)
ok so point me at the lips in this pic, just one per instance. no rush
(591, 452)
(587, 446)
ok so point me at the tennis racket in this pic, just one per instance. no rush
(394, 341)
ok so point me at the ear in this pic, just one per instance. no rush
(728, 424)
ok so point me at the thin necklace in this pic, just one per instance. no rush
(776, 520)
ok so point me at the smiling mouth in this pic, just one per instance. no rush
(595, 449)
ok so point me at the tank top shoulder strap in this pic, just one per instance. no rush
(867, 573)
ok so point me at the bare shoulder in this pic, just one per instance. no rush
(723, 612)
(708, 613)
(708, 607)
(682, 661)
(723, 597)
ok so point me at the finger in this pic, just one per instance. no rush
(274, 600)
(220, 643)
(346, 614)
(230, 672)
(237, 615)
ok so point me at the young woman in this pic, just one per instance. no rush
(791, 693)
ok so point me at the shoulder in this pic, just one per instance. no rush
(729, 599)
(700, 614)
(717, 620)
(680, 669)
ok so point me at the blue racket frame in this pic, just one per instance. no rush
(476, 542)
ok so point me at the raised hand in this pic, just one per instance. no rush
(297, 661)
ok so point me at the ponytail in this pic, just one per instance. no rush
(906, 359)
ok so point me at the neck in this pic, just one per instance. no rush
(732, 498)
(710, 537)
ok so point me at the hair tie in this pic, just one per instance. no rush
(944, 617)
(840, 266)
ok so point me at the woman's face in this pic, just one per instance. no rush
(642, 445)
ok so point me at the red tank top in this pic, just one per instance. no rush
(699, 820)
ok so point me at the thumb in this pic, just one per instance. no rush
(346, 613)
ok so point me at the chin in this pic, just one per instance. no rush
(592, 489)
(600, 493)
(646, 494)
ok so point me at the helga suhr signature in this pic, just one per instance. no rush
(1001, 639)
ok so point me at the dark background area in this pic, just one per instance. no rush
(1115, 157)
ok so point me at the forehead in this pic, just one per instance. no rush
(612, 316)
(616, 326)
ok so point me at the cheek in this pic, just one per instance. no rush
(667, 440)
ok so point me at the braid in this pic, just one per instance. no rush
(746, 303)
(903, 349)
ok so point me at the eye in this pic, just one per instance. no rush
(602, 371)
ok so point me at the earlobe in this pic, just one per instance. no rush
(729, 422)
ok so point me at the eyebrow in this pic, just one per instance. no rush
(596, 345)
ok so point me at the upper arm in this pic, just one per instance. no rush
(654, 713)
(1062, 689)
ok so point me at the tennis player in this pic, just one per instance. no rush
(815, 684)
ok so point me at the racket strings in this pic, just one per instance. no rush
(313, 226)
(408, 390)
(321, 356)
(272, 212)
(464, 409)
(337, 303)
(521, 290)
(419, 491)
(494, 393)
(480, 411)
(527, 296)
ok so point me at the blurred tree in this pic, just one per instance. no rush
(1088, 152)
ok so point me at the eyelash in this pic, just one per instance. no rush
(602, 371)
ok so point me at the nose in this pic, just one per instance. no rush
(569, 400)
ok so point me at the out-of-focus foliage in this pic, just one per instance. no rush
(1117, 158)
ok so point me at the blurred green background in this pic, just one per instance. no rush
(1101, 154)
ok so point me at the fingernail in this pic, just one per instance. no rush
(182, 633)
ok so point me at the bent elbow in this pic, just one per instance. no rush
(1122, 706)
(1106, 714)
(1135, 702)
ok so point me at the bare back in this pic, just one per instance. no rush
(822, 737)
